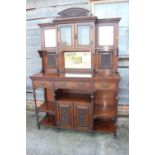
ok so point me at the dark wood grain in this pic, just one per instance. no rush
(79, 103)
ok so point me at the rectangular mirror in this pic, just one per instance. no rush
(50, 37)
(77, 60)
(106, 34)
(66, 35)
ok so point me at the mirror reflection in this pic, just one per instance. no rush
(106, 35)
(50, 38)
(77, 60)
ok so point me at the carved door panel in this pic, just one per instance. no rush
(82, 117)
(65, 115)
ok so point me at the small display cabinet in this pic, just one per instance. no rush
(79, 54)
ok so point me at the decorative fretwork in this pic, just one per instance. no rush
(82, 117)
(64, 116)
(74, 12)
(106, 60)
(51, 58)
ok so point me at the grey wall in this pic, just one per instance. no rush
(43, 11)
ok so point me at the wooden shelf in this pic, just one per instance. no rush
(104, 126)
(47, 107)
(105, 112)
(48, 121)
(77, 98)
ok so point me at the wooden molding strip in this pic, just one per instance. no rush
(108, 1)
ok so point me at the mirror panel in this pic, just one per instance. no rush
(77, 60)
(50, 38)
(106, 34)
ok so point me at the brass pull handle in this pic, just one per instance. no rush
(42, 84)
(63, 84)
(105, 85)
(80, 84)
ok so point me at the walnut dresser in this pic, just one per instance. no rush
(79, 54)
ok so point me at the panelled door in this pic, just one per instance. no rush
(78, 35)
(65, 115)
(84, 35)
(82, 116)
(66, 36)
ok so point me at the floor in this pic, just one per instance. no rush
(48, 141)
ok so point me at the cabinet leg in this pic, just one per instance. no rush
(58, 129)
(38, 126)
(92, 133)
(115, 134)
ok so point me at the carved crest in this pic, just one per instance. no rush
(74, 12)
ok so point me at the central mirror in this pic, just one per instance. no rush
(77, 60)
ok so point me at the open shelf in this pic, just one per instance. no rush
(48, 121)
(108, 112)
(47, 107)
(104, 126)
(78, 98)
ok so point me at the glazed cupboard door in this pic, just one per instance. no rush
(82, 117)
(84, 35)
(65, 115)
(66, 36)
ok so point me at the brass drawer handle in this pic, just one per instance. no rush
(81, 84)
(104, 85)
(62, 84)
(42, 84)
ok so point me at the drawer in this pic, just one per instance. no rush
(73, 85)
(104, 85)
(42, 84)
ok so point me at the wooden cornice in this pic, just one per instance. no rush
(108, 20)
(74, 19)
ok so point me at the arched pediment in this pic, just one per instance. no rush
(74, 12)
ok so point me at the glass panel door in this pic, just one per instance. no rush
(83, 34)
(66, 36)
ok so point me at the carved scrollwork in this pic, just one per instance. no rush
(74, 12)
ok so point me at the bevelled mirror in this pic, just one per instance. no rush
(77, 60)
(50, 38)
(106, 34)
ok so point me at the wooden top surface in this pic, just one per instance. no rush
(69, 76)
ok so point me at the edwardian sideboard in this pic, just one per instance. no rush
(79, 54)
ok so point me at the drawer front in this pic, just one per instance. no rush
(72, 85)
(42, 84)
(105, 85)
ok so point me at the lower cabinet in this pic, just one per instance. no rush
(74, 115)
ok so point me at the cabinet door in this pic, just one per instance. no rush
(65, 115)
(82, 116)
(84, 35)
(66, 36)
